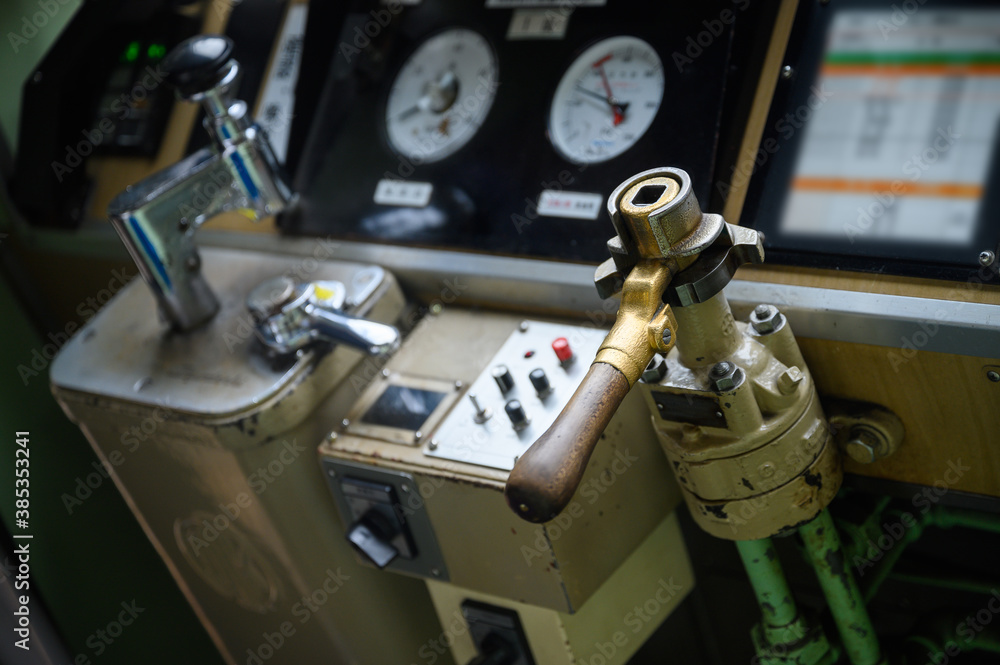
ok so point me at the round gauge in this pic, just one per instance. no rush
(441, 95)
(606, 100)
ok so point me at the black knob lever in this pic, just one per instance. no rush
(198, 64)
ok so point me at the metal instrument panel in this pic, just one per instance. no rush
(495, 443)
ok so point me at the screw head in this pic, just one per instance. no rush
(432, 444)
(986, 258)
(993, 376)
(787, 71)
(667, 336)
(192, 262)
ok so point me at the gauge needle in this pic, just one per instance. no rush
(616, 107)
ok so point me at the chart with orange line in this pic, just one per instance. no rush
(904, 130)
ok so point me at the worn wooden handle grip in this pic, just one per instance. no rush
(546, 476)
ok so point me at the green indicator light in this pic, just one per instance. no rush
(132, 52)
(156, 51)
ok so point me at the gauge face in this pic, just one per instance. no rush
(441, 95)
(606, 100)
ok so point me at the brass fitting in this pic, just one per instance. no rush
(645, 325)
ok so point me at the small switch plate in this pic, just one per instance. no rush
(367, 486)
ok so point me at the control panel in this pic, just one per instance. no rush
(515, 399)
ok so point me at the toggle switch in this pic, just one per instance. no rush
(563, 351)
(518, 418)
(373, 535)
(482, 413)
(503, 378)
(540, 382)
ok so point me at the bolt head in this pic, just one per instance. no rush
(667, 336)
(860, 451)
(864, 445)
(766, 319)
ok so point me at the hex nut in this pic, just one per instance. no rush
(725, 376)
(655, 370)
(766, 319)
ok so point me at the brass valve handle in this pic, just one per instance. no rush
(544, 479)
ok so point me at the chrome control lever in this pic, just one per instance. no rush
(290, 316)
(157, 217)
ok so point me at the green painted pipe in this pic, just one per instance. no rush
(842, 594)
(768, 582)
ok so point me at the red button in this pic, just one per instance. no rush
(561, 347)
